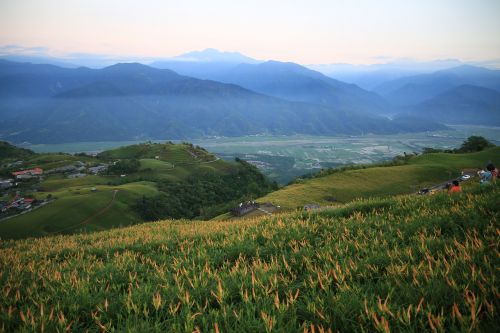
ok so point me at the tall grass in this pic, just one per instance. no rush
(396, 264)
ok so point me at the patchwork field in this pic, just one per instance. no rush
(282, 158)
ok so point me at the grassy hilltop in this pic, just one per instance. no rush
(412, 174)
(408, 263)
(160, 180)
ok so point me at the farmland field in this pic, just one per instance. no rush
(283, 158)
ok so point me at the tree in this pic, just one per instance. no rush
(475, 143)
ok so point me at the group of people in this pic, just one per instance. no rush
(487, 176)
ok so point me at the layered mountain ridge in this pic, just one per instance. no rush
(45, 103)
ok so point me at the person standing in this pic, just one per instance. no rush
(455, 187)
(494, 172)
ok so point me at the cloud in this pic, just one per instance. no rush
(22, 50)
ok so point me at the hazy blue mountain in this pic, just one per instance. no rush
(294, 82)
(371, 76)
(206, 64)
(134, 101)
(40, 80)
(465, 104)
(39, 60)
(213, 55)
(416, 89)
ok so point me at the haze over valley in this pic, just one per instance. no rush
(249, 166)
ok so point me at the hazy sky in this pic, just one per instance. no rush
(304, 31)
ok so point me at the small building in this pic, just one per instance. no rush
(13, 164)
(26, 174)
(27, 203)
(244, 208)
(5, 184)
(98, 169)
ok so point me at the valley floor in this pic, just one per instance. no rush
(282, 158)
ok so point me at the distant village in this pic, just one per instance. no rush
(12, 199)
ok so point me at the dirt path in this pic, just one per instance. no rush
(264, 211)
(96, 214)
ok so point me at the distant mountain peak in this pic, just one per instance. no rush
(214, 55)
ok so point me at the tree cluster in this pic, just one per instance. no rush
(124, 167)
(470, 145)
(205, 195)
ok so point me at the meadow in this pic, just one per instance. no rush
(407, 263)
(79, 209)
(414, 173)
(282, 158)
(75, 207)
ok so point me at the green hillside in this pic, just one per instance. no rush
(416, 173)
(171, 180)
(77, 209)
(8, 151)
(409, 263)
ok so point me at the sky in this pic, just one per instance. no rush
(302, 31)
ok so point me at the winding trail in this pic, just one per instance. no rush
(90, 218)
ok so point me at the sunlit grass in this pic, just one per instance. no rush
(407, 263)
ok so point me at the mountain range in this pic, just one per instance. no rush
(293, 82)
(466, 104)
(412, 90)
(229, 94)
(371, 76)
(45, 103)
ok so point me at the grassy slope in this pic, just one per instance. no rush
(421, 171)
(73, 207)
(70, 209)
(9, 152)
(409, 263)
